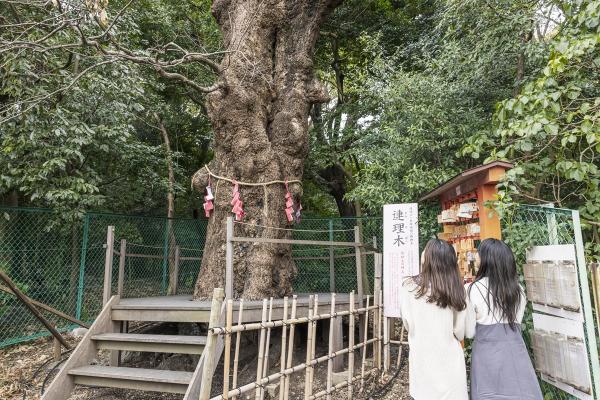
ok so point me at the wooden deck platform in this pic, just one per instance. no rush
(184, 309)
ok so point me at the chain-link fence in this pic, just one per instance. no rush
(62, 264)
(528, 226)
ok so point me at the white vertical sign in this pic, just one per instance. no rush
(400, 252)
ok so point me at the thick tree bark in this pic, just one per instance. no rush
(260, 122)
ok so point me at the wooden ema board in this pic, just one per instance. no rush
(481, 187)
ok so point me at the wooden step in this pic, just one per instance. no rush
(153, 380)
(162, 309)
(151, 343)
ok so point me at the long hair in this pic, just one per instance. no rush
(439, 279)
(499, 266)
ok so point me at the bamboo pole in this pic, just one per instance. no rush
(227, 354)
(261, 351)
(298, 368)
(267, 345)
(314, 342)
(211, 344)
(46, 307)
(283, 349)
(379, 330)
(351, 332)
(309, 333)
(400, 347)
(237, 345)
(290, 347)
(275, 324)
(364, 350)
(330, 361)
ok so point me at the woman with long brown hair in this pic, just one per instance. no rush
(500, 364)
(433, 307)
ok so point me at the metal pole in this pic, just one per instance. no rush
(108, 264)
(331, 260)
(175, 282)
(229, 260)
(587, 304)
(82, 259)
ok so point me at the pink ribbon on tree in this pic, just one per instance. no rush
(289, 204)
(237, 203)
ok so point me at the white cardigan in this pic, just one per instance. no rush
(436, 360)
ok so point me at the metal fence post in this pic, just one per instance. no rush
(175, 282)
(165, 258)
(587, 304)
(82, 259)
(331, 260)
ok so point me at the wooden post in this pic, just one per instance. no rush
(108, 264)
(359, 266)
(359, 284)
(237, 345)
(56, 349)
(122, 255)
(331, 260)
(25, 300)
(351, 332)
(211, 344)
(227, 360)
(175, 283)
(229, 260)
(331, 333)
(338, 344)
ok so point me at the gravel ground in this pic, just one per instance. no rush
(23, 369)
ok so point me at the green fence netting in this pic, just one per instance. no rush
(62, 264)
(527, 226)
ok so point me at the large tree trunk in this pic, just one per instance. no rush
(260, 122)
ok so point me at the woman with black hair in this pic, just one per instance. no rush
(500, 364)
(433, 307)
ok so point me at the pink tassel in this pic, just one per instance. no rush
(208, 201)
(236, 202)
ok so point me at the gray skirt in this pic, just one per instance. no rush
(500, 365)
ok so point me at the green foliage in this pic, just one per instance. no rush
(78, 129)
(551, 130)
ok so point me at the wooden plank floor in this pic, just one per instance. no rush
(252, 308)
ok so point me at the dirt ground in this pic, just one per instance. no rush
(26, 368)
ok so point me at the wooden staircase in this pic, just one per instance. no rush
(104, 335)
